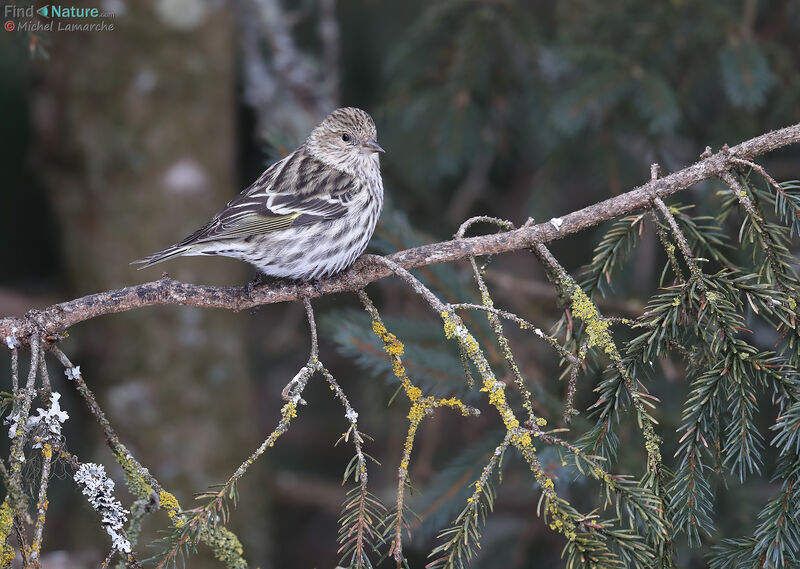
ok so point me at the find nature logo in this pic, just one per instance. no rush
(60, 18)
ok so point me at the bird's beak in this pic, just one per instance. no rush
(371, 145)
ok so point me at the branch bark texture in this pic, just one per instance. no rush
(57, 318)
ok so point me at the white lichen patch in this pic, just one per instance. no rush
(99, 489)
(48, 422)
(73, 372)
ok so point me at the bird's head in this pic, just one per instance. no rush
(346, 140)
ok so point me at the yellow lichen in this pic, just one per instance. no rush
(391, 344)
(6, 522)
(398, 368)
(455, 403)
(289, 411)
(522, 439)
(413, 392)
(415, 415)
(449, 325)
(170, 503)
(596, 327)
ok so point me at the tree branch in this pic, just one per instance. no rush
(55, 319)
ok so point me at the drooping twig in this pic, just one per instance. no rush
(564, 517)
(19, 421)
(420, 406)
(679, 237)
(523, 324)
(113, 441)
(48, 445)
(57, 318)
(14, 371)
(599, 334)
(197, 522)
(572, 384)
(669, 249)
(361, 514)
(41, 505)
(765, 239)
(292, 392)
(494, 319)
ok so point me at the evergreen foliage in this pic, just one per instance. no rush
(702, 317)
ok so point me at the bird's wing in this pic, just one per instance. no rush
(298, 190)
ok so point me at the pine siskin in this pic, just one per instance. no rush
(307, 216)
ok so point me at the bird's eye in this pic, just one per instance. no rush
(346, 137)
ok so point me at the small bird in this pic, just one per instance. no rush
(308, 216)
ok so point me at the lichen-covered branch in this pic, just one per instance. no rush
(57, 318)
(420, 407)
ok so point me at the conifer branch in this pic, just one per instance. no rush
(52, 321)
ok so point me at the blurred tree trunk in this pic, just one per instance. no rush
(136, 148)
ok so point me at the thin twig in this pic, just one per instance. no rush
(14, 372)
(493, 317)
(41, 505)
(669, 249)
(760, 170)
(362, 530)
(501, 223)
(293, 392)
(48, 447)
(396, 548)
(756, 219)
(45, 377)
(741, 194)
(523, 324)
(680, 238)
(290, 390)
(572, 384)
(20, 413)
(112, 439)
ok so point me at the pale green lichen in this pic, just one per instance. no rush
(136, 483)
(599, 335)
(226, 546)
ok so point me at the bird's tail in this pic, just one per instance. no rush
(166, 254)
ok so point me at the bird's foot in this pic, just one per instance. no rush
(257, 280)
(254, 283)
(316, 283)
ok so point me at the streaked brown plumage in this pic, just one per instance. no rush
(307, 216)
